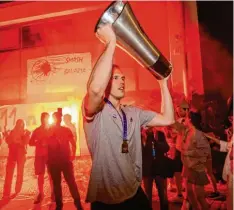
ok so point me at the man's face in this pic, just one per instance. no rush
(46, 120)
(182, 112)
(66, 119)
(117, 84)
(57, 119)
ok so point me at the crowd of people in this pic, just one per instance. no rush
(127, 144)
(189, 151)
(52, 153)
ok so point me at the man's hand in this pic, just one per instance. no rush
(229, 133)
(106, 34)
(164, 81)
(211, 134)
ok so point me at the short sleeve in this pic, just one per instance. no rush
(86, 118)
(145, 116)
(91, 128)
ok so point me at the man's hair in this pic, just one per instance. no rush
(44, 115)
(57, 115)
(20, 122)
(196, 119)
(114, 66)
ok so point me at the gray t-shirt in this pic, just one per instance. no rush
(115, 176)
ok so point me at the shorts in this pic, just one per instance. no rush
(178, 162)
(40, 164)
(195, 177)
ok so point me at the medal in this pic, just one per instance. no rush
(125, 146)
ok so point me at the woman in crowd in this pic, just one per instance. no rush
(17, 141)
(195, 151)
(182, 112)
(154, 147)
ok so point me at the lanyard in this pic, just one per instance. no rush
(124, 120)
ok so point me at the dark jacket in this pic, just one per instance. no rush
(154, 165)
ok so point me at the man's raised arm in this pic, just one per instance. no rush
(101, 73)
(166, 117)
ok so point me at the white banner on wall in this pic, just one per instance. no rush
(58, 73)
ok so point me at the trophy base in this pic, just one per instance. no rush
(161, 68)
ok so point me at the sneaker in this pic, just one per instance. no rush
(39, 198)
(177, 199)
(216, 196)
(213, 195)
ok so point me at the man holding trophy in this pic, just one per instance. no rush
(112, 130)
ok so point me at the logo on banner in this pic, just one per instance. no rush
(58, 73)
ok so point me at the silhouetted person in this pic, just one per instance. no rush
(195, 153)
(154, 147)
(17, 141)
(39, 139)
(59, 161)
(182, 111)
(67, 119)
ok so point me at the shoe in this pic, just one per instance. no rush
(59, 207)
(177, 199)
(13, 195)
(6, 197)
(78, 205)
(216, 196)
(222, 182)
(213, 195)
(38, 199)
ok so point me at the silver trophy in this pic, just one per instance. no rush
(132, 39)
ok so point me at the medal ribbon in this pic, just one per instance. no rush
(124, 120)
